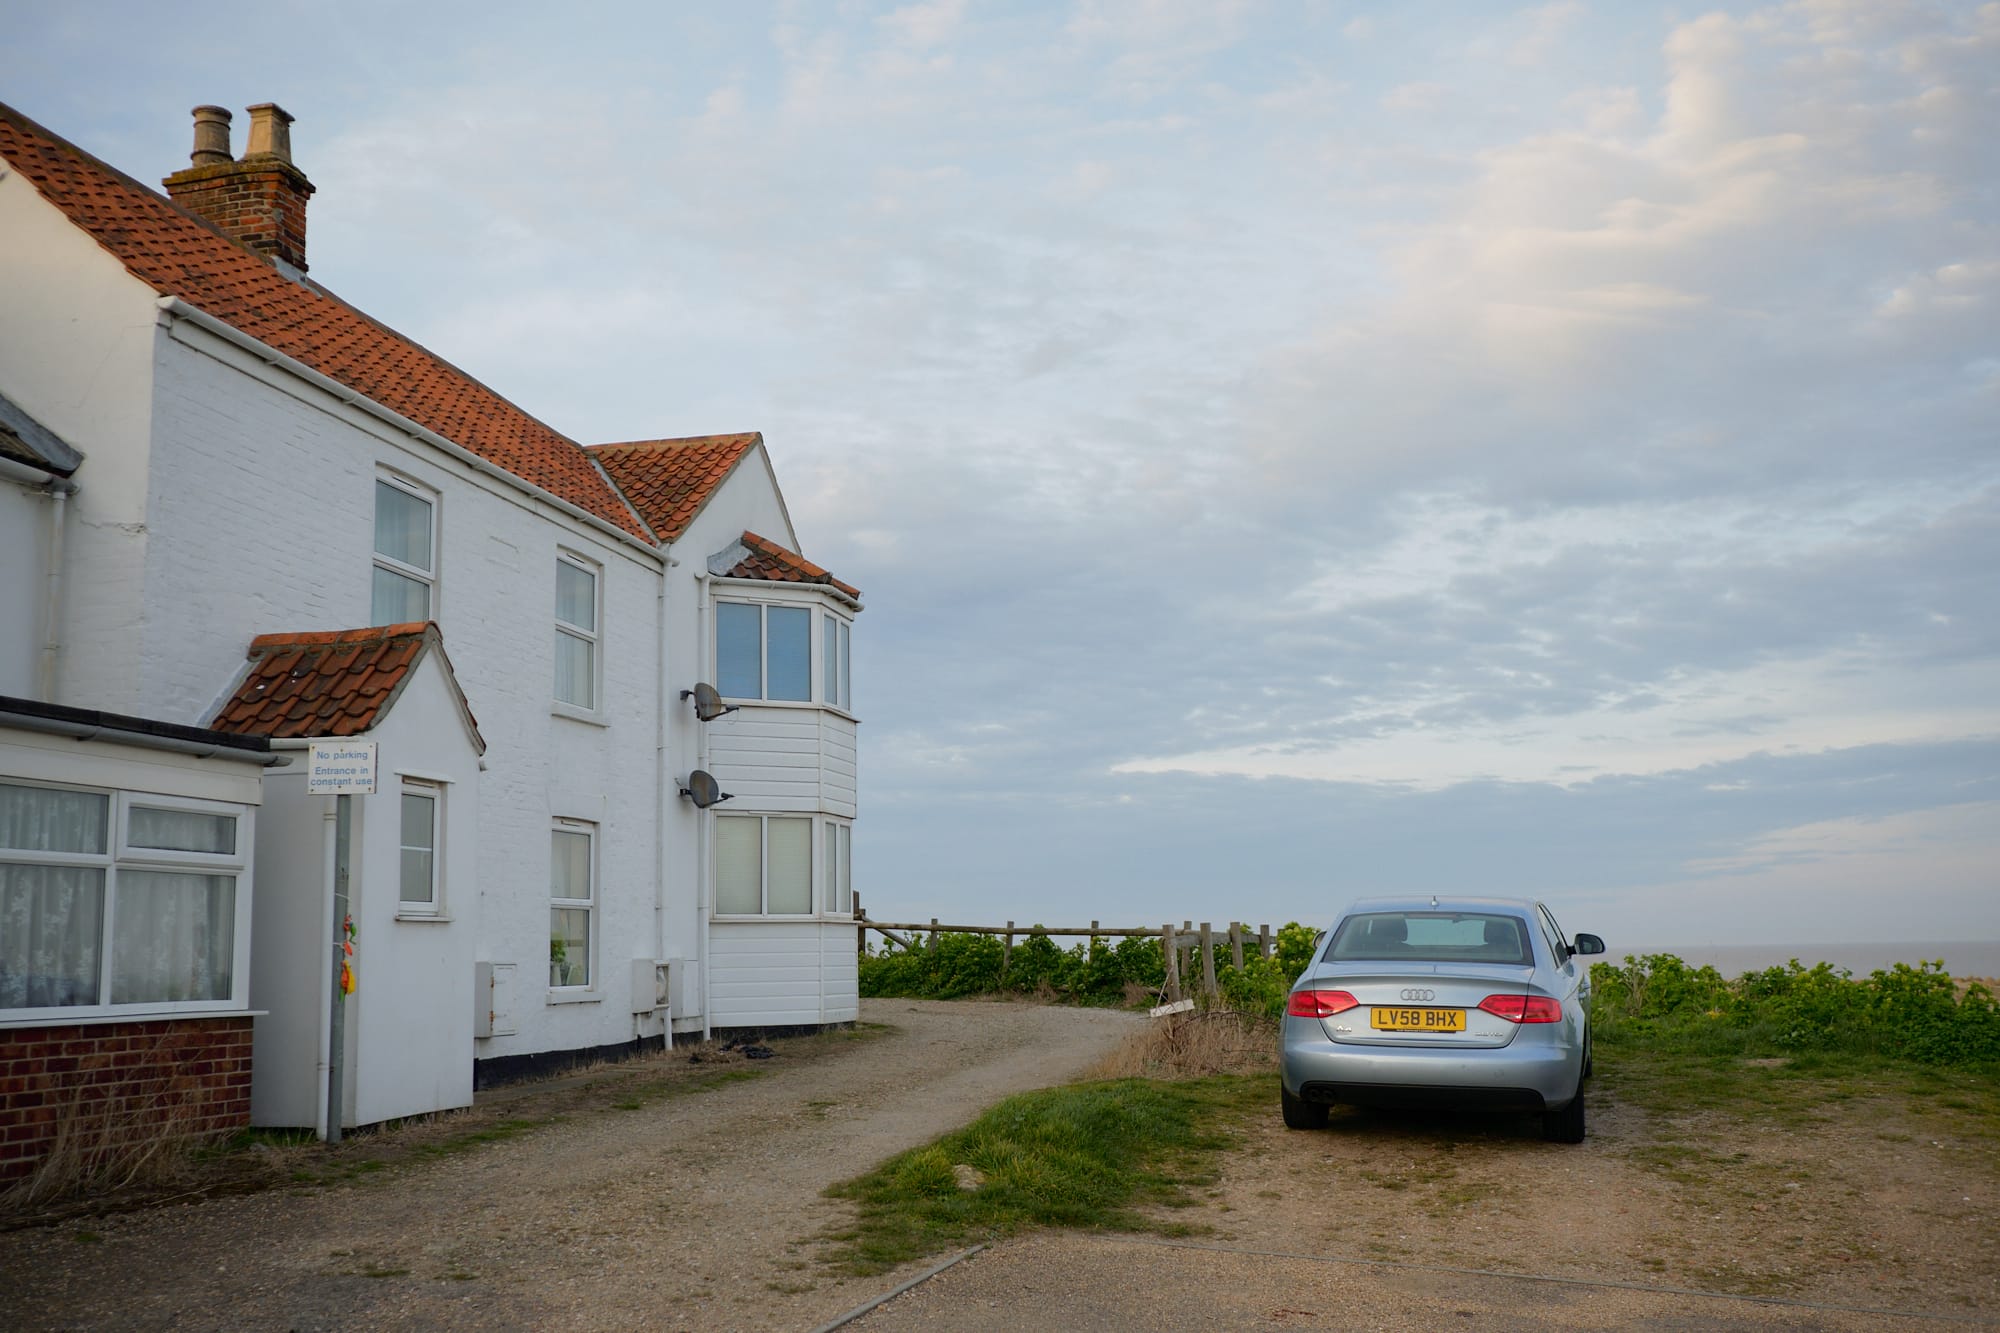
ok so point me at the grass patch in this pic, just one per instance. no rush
(1091, 1156)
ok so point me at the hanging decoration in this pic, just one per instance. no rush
(347, 956)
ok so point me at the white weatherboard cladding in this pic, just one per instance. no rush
(76, 353)
(780, 973)
(785, 759)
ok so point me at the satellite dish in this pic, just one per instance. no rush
(703, 789)
(708, 704)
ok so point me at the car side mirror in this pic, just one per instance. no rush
(1587, 944)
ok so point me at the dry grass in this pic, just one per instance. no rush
(106, 1143)
(1194, 1045)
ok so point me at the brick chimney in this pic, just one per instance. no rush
(259, 201)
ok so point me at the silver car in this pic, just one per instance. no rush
(1476, 1003)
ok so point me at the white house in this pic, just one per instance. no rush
(230, 501)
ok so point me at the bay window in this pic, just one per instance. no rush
(837, 870)
(763, 652)
(835, 657)
(763, 865)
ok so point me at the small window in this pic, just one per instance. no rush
(1433, 937)
(405, 546)
(421, 826)
(572, 904)
(763, 652)
(837, 869)
(834, 661)
(576, 632)
(763, 865)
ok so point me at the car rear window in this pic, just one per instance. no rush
(1432, 937)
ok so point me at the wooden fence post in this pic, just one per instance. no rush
(1264, 941)
(1236, 945)
(934, 935)
(1090, 949)
(1170, 950)
(1207, 961)
(1007, 951)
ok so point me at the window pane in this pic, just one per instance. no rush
(846, 900)
(51, 931)
(576, 674)
(180, 830)
(829, 652)
(790, 628)
(402, 526)
(569, 865)
(846, 668)
(739, 865)
(42, 819)
(419, 849)
(739, 650)
(829, 885)
(576, 596)
(569, 946)
(173, 937)
(790, 884)
(398, 600)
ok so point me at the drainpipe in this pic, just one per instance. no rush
(662, 785)
(705, 872)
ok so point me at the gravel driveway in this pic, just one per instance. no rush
(691, 1212)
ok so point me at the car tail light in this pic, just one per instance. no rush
(1319, 1003)
(1524, 1008)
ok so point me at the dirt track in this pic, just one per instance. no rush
(693, 1212)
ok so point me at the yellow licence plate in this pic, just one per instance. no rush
(1417, 1020)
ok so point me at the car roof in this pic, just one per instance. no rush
(1426, 902)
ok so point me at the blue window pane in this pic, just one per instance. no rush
(739, 651)
(791, 652)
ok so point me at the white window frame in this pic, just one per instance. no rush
(588, 905)
(836, 880)
(836, 672)
(433, 791)
(813, 855)
(764, 610)
(427, 577)
(118, 855)
(593, 637)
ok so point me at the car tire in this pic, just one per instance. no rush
(1588, 1051)
(1300, 1113)
(1566, 1125)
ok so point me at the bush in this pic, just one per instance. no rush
(1911, 1013)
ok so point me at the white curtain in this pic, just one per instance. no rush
(173, 937)
(790, 885)
(51, 931)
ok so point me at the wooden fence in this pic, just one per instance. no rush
(1176, 943)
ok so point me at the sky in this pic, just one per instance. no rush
(1289, 450)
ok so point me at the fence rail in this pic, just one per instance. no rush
(1175, 942)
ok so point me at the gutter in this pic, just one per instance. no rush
(256, 753)
(764, 586)
(173, 308)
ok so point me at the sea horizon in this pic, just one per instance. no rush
(1962, 958)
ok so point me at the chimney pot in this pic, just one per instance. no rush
(270, 132)
(211, 136)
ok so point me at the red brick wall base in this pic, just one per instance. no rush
(93, 1093)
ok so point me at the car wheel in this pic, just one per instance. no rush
(1566, 1125)
(1299, 1113)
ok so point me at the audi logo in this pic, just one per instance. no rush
(1420, 993)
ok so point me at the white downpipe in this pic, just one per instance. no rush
(324, 1026)
(662, 784)
(705, 871)
(45, 684)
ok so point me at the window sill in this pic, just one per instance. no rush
(69, 1018)
(425, 918)
(587, 716)
(575, 997)
(794, 704)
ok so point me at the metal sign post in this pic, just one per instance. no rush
(343, 770)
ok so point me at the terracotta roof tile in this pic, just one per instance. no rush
(768, 560)
(330, 682)
(180, 255)
(668, 481)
